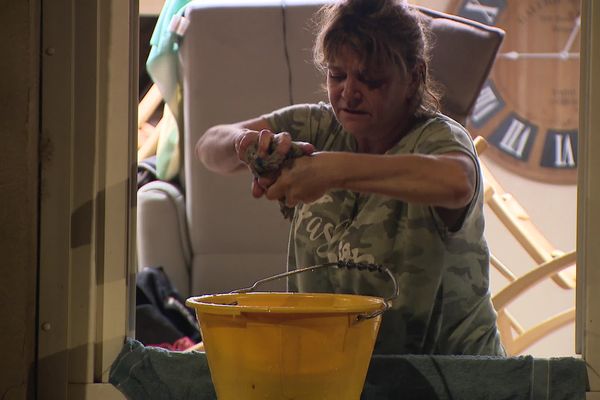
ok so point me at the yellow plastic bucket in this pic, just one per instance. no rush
(300, 346)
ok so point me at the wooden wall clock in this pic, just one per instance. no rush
(529, 107)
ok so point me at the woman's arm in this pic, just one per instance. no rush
(222, 148)
(218, 148)
(447, 181)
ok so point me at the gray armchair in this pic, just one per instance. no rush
(238, 61)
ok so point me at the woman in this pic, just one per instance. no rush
(385, 178)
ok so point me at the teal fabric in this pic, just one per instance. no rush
(147, 373)
(162, 60)
(162, 66)
(150, 373)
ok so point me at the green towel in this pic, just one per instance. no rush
(412, 377)
(148, 373)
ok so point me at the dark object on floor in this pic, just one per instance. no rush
(161, 314)
(146, 171)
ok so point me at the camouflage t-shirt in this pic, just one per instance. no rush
(444, 305)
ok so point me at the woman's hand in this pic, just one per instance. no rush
(264, 143)
(262, 139)
(304, 179)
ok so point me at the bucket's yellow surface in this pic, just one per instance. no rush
(297, 346)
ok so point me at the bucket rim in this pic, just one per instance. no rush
(228, 303)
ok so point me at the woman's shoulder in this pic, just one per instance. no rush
(309, 122)
(320, 107)
(444, 122)
(301, 113)
(441, 132)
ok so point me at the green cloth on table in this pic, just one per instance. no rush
(412, 377)
(148, 373)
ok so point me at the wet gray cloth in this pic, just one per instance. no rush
(148, 373)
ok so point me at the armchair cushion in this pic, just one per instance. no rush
(162, 238)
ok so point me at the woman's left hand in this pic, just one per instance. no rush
(304, 179)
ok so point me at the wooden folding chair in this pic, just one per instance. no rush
(552, 263)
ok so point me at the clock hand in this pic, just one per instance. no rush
(514, 55)
(572, 36)
(563, 55)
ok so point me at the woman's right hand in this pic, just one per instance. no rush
(263, 139)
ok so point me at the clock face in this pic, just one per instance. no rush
(528, 109)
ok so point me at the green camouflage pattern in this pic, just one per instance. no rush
(444, 305)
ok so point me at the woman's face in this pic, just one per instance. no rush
(371, 104)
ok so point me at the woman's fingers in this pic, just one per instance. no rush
(280, 188)
(307, 148)
(245, 140)
(257, 189)
(283, 143)
(272, 186)
(266, 181)
(261, 184)
(264, 141)
(301, 180)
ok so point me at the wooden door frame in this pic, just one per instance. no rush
(87, 214)
(89, 70)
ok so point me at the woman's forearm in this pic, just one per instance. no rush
(446, 181)
(216, 149)
(438, 180)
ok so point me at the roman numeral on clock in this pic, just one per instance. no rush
(514, 136)
(484, 11)
(487, 105)
(560, 150)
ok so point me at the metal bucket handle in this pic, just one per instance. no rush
(340, 264)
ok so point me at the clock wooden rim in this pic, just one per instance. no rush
(533, 168)
(562, 177)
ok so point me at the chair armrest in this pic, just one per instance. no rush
(162, 233)
(531, 278)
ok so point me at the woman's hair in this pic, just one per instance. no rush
(380, 32)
